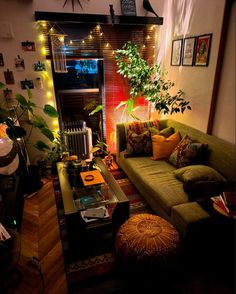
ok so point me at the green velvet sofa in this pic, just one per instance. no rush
(156, 181)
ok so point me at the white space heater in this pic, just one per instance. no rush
(79, 142)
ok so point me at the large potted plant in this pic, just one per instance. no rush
(147, 81)
(10, 119)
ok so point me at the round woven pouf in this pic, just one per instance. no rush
(146, 242)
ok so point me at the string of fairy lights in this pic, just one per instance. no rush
(70, 44)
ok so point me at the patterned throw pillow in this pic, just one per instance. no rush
(140, 126)
(138, 144)
(162, 147)
(188, 153)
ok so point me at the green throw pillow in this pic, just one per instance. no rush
(167, 132)
(194, 173)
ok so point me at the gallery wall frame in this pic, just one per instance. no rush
(188, 51)
(202, 50)
(176, 52)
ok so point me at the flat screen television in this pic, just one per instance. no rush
(82, 74)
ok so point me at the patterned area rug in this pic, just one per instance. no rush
(98, 268)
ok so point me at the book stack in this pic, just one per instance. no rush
(225, 203)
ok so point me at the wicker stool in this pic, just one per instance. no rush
(146, 243)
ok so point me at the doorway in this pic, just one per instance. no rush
(78, 92)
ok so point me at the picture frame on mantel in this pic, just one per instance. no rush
(128, 7)
(203, 47)
(176, 52)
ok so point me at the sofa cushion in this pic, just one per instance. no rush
(194, 173)
(141, 126)
(138, 144)
(187, 153)
(166, 132)
(162, 147)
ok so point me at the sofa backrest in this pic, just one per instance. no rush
(222, 154)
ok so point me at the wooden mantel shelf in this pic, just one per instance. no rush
(97, 18)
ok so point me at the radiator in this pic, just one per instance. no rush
(79, 142)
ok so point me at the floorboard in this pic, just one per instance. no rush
(40, 237)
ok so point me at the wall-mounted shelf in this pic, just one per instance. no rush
(97, 18)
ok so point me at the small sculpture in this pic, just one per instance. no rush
(147, 6)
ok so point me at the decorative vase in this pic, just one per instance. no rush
(109, 160)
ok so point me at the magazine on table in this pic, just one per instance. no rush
(93, 214)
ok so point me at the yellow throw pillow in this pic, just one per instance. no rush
(163, 147)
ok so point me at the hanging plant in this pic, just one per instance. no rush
(148, 81)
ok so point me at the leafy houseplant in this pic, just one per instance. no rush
(36, 121)
(148, 81)
(100, 146)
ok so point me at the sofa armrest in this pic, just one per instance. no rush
(120, 138)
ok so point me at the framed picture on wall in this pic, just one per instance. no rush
(202, 50)
(1, 60)
(176, 52)
(188, 51)
(128, 7)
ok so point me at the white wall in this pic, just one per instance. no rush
(181, 18)
(224, 126)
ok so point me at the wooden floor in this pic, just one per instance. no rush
(40, 237)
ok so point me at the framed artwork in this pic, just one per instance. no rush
(128, 7)
(8, 95)
(28, 46)
(19, 63)
(1, 60)
(176, 52)
(188, 51)
(203, 46)
(9, 77)
(27, 84)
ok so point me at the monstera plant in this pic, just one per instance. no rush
(36, 121)
(148, 81)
